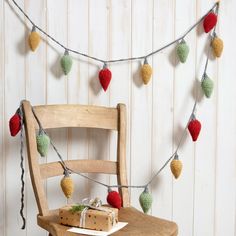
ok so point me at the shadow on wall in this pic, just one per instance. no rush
(94, 82)
(137, 76)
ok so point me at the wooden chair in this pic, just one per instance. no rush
(58, 116)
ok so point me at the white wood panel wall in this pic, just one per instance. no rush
(203, 200)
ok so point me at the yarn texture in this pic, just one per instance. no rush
(66, 63)
(34, 40)
(43, 142)
(209, 22)
(114, 199)
(146, 72)
(15, 124)
(207, 86)
(105, 77)
(176, 167)
(194, 128)
(182, 51)
(145, 200)
(67, 186)
(217, 46)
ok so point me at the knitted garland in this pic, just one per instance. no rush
(209, 21)
(194, 126)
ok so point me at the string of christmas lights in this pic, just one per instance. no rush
(105, 75)
(113, 198)
(193, 125)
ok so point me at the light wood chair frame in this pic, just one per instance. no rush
(61, 116)
(65, 116)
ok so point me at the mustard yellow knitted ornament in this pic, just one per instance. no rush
(67, 185)
(217, 46)
(176, 166)
(146, 72)
(34, 39)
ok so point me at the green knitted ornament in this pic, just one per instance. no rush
(207, 86)
(66, 63)
(43, 142)
(145, 200)
(182, 51)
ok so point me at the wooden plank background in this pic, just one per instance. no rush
(203, 200)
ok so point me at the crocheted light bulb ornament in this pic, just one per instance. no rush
(43, 142)
(146, 72)
(182, 51)
(209, 22)
(15, 124)
(207, 86)
(114, 199)
(217, 46)
(66, 63)
(67, 185)
(194, 128)
(34, 39)
(145, 200)
(105, 77)
(176, 167)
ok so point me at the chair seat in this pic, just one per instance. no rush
(139, 224)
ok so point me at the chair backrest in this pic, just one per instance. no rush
(58, 116)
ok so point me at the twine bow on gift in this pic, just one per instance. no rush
(95, 204)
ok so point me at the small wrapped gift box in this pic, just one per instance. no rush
(101, 218)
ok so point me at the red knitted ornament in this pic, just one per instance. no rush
(105, 77)
(194, 128)
(209, 22)
(114, 199)
(15, 124)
